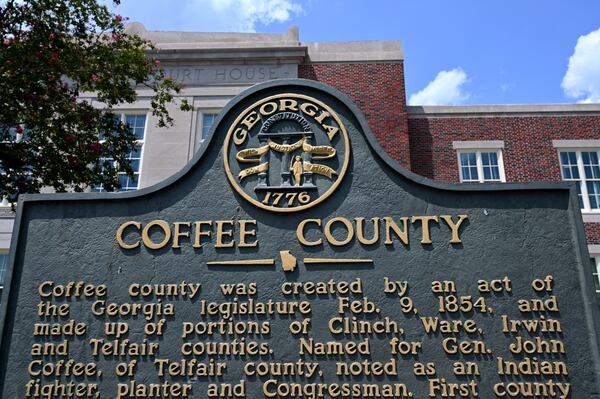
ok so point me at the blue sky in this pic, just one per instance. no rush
(456, 52)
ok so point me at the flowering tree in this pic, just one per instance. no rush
(50, 52)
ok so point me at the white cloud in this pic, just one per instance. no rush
(209, 15)
(445, 89)
(244, 15)
(582, 79)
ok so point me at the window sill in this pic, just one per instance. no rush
(594, 250)
(590, 217)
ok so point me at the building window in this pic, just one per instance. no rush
(596, 273)
(137, 123)
(13, 137)
(480, 166)
(3, 265)
(583, 167)
(206, 119)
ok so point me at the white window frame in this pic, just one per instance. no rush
(478, 152)
(2, 281)
(122, 117)
(200, 112)
(582, 179)
(589, 215)
(596, 273)
(4, 203)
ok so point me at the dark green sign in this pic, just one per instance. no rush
(293, 258)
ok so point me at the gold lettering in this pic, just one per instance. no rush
(266, 112)
(309, 109)
(178, 233)
(239, 136)
(300, 233)
(288, 103)
(360, 232)
(320, 118)
(221, 233)
(250, 120)
(244, 231)
(120, 232)
(331, 131)
(390, 225)
(199, 233)
(454, 227)
(425, 237)
(164, 226)
(349, 228)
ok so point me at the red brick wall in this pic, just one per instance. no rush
(528, 153)
(378, 90)
(424, 145)
(592, 233)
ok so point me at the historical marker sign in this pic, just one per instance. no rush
(292, 258)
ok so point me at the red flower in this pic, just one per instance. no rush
(73, 161)
(54, 56)
(157, 62)
(116, 36)
(95, 77)
(96, 146)
(7, 42)
(19, 129)
(118, 18)
(51, 36)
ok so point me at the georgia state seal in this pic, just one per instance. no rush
(286, 152)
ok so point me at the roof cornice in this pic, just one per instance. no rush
(501, 110)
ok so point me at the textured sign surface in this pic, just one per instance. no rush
(293, 258)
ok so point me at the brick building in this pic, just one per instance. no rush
(461, 144)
